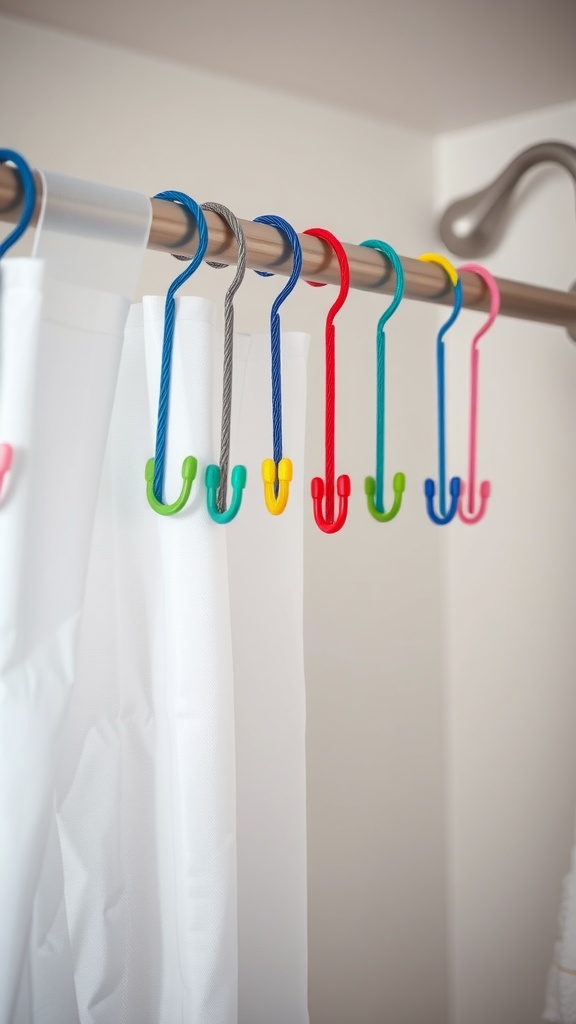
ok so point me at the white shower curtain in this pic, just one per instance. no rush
(152, 787)
(560, 1005)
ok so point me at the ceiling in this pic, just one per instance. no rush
(429, 64)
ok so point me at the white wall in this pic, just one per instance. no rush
(374, 618)
(511, 588)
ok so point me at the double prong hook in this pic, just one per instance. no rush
(374, 486)
(277, 480)
(154, 471)
(445, 514)
(467, 510)
(323, 490)
(216, 478)
(6, 453)
(277, 472)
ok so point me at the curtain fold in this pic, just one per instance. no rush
(60, 352)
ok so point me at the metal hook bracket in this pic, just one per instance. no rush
(473, 225)
(571, 331)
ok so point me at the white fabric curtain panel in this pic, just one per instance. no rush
(560, 1005)
(152, 702)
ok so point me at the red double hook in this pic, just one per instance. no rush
(323, 490)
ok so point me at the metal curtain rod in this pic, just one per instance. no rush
(172, 231)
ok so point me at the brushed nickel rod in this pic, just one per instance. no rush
(173, 231)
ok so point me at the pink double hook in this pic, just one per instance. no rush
(5, 462)
(467, 510)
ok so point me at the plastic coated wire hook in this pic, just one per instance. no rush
(154, 472)
(470, 514)
(445, 515)
(6, 456)
(277, 472)
(216, 476)
(323, 490)
(374, 487)
(29, 188)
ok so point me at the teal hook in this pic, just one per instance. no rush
(212, 481)
(374, 486)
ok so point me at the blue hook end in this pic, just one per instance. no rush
(430, 490)
(455, 487)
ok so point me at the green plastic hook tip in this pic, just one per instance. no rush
(399, 483)
(189, 470)
(399, 486)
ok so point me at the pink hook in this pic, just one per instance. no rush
(5, 461)
(468, 490)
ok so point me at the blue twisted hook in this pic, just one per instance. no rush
(277, 472)
(29, 186)
(374, 487)
(154, 472)
(444, 516)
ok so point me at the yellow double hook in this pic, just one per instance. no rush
(277, 472)
(276, 484)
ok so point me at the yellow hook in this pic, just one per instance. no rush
(272, 478)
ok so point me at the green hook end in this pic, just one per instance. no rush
(189, 470)
(398, 484)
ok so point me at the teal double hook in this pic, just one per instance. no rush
(374, 486)
(213, 480)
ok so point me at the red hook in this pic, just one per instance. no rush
(323, 490)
